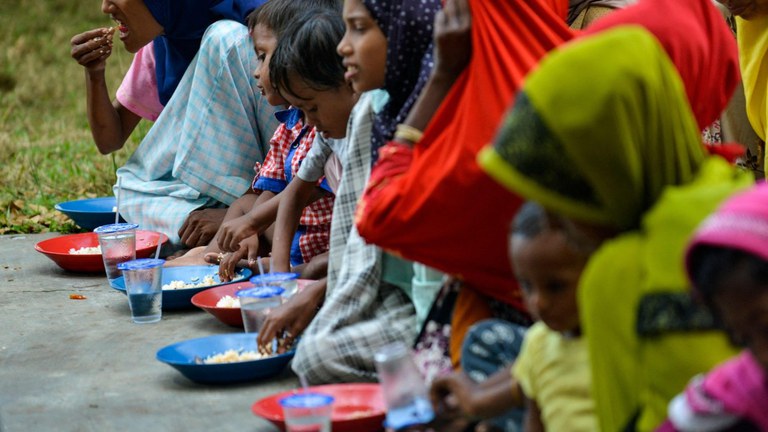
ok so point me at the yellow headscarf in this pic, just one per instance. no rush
(752, 37)
(599, 130)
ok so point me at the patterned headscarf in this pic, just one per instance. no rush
(408, 25)
(550, 150)
(184, 22)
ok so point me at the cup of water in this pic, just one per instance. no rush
(256, 303)
(287, 281)
(118, 244)
(143, 283)
(403, 387)
(305, 412)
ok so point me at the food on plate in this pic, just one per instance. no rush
(87, 250)
(228, 302)
(233, 356)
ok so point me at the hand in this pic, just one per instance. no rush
(291, 319)
(453, 39)
(452, 394)
(316, 268)
(201, 225)
(92, 48)
(233, 232)
(249, 249)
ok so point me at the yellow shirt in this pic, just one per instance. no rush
(553, 370)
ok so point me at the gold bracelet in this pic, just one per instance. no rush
(408, 133)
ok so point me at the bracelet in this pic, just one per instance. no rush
(408, 133)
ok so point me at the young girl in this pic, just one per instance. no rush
(551, 372)
(727, 263)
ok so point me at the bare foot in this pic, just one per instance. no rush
(192, 257)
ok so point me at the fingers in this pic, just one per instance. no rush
(91, 34)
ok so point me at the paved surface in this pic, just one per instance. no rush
(82, 365)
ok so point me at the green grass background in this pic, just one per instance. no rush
(47, 154)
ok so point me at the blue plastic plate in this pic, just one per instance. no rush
(90, 213)
(182, 298)
(182, 356)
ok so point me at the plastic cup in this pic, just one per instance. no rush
(143, 283)
(256, 303)
(405, 393)
(118, 244)
(287, 281)
(307, 412)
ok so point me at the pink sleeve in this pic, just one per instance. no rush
(138, 91)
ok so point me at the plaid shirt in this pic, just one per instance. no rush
(288, 148)
(361, 312)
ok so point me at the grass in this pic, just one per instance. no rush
(46, 151)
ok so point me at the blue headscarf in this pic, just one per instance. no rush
(184, 22)
(408, 26)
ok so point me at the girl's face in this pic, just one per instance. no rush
(136, 25)
(548, 270)
(742, 305)
(364, 48)
(265, 42)
(327, 110)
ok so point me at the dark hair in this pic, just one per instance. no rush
(308, 50)
(530, 221)
(278, 14)
(711, 266)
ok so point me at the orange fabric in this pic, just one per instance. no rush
(470, 308)
(418, 214)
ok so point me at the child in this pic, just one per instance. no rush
(288, 146)
(369, 300)
(551, 374)
(308, 50)
(727, 262)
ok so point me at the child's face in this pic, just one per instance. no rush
(265, 42)
(548, 270)
(327, 110)
(745, 314)
(136, 25)
(364, 48)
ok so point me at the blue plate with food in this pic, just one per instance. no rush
(181, 283)
(90, 213)
(223, 359)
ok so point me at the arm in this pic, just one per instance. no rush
(110, 122)
(256, 221)
(533, 421)
(291, 318)
(296, 196)
(457, 393)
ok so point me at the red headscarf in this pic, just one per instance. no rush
(444, 211)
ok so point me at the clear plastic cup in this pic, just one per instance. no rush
(256, 303)
(143, 283)
(307, 412)
(403, 387)
(118, 244)
(287, 281)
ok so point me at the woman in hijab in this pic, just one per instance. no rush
(631, 191)
(192, 59)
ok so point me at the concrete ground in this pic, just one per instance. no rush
(82, 365)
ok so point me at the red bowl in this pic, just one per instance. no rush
(57, 249)
(357, 407)
(206, 300)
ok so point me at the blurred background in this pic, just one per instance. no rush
(46, 151)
